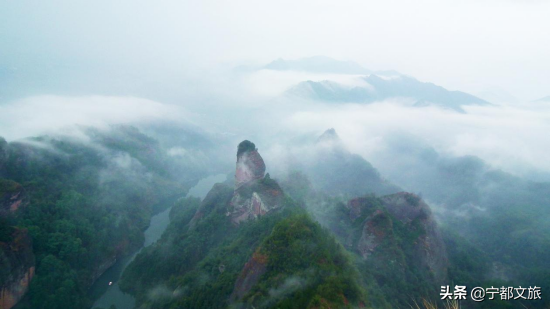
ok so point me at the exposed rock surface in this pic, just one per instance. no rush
(12, 197)
(376, 230)
(255, 194)
(220, 193)
(17, 264)
(254, 199)
(430, 249)
(427, 247)
(250, 165)
(251, 273)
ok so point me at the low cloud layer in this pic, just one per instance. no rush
(511, 138)
(55, 114)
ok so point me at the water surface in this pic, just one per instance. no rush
(113, 296)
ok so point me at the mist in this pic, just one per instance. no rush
(385, 139)
(61, 67)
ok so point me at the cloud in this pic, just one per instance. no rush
(290, 285)
(40, 51)
(272, 83)
(512, 138)
(54, 114)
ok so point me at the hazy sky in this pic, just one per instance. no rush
(465, 45)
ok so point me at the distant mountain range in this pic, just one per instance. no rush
(380, 88)
(379, 85)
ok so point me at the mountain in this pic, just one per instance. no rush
(333, 234)
(317, 64)
(397, 240)
(473, 200)
(380, 88)
(334, 170)
(70, 207)
(246, 245)
(249, 244)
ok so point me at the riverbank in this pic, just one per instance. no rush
(106, 295)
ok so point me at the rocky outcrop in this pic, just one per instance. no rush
(429, 247)
(12, 197)
(220, 193)
(250, 165)
(255, 199)
(421, 237)
(249, 276)
(17, 264)
(407, 207)
(376, 230)
(255, 194)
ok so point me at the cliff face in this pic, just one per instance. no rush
(429, 249)
(12, 197)
(254, 269)
(396, 224)
(255, 194)
(17, 264)
(250, 165)
(219, 194)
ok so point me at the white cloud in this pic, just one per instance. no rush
(272, 83)
(56, 114)
(514, 139)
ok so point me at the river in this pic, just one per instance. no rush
(113, 296)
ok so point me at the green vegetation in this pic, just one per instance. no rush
(88, 204)
(244, 147)
(197, 266)
(6, 230)
(8, 186)
(306, 268)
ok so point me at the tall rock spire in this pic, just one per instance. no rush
(250, 165)
(254, 194)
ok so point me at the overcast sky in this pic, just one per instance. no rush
(472, 46)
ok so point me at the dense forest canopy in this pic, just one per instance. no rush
(246, 154)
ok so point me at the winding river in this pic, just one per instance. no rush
(111, 295)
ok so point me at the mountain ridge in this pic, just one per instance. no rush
(379, 89)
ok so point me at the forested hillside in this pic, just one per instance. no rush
(84, 202)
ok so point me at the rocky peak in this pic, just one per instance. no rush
(427, 249)
(250, 165)
(330, 142)
(407, 207)
(330, 135)
(255, 194)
